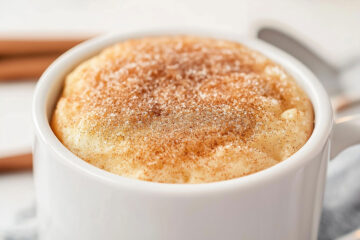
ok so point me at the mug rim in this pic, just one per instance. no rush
(54, 75)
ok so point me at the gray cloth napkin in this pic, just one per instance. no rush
(341, 213)
(23, 227)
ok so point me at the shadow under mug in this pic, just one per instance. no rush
(76, 200)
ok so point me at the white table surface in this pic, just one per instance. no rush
(316, 22)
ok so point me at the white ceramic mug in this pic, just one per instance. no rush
(77, 201)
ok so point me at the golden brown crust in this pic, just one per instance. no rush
(182, 109)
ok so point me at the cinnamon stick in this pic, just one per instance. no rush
(25, 67)
(17, 162)
(38, 46)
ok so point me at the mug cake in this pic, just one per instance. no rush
(182, 109)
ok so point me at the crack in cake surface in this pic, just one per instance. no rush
(182, 109)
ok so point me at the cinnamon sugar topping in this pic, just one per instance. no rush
(182, 109)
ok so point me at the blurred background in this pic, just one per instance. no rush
(323, 34)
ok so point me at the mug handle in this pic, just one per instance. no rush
(346, 133)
